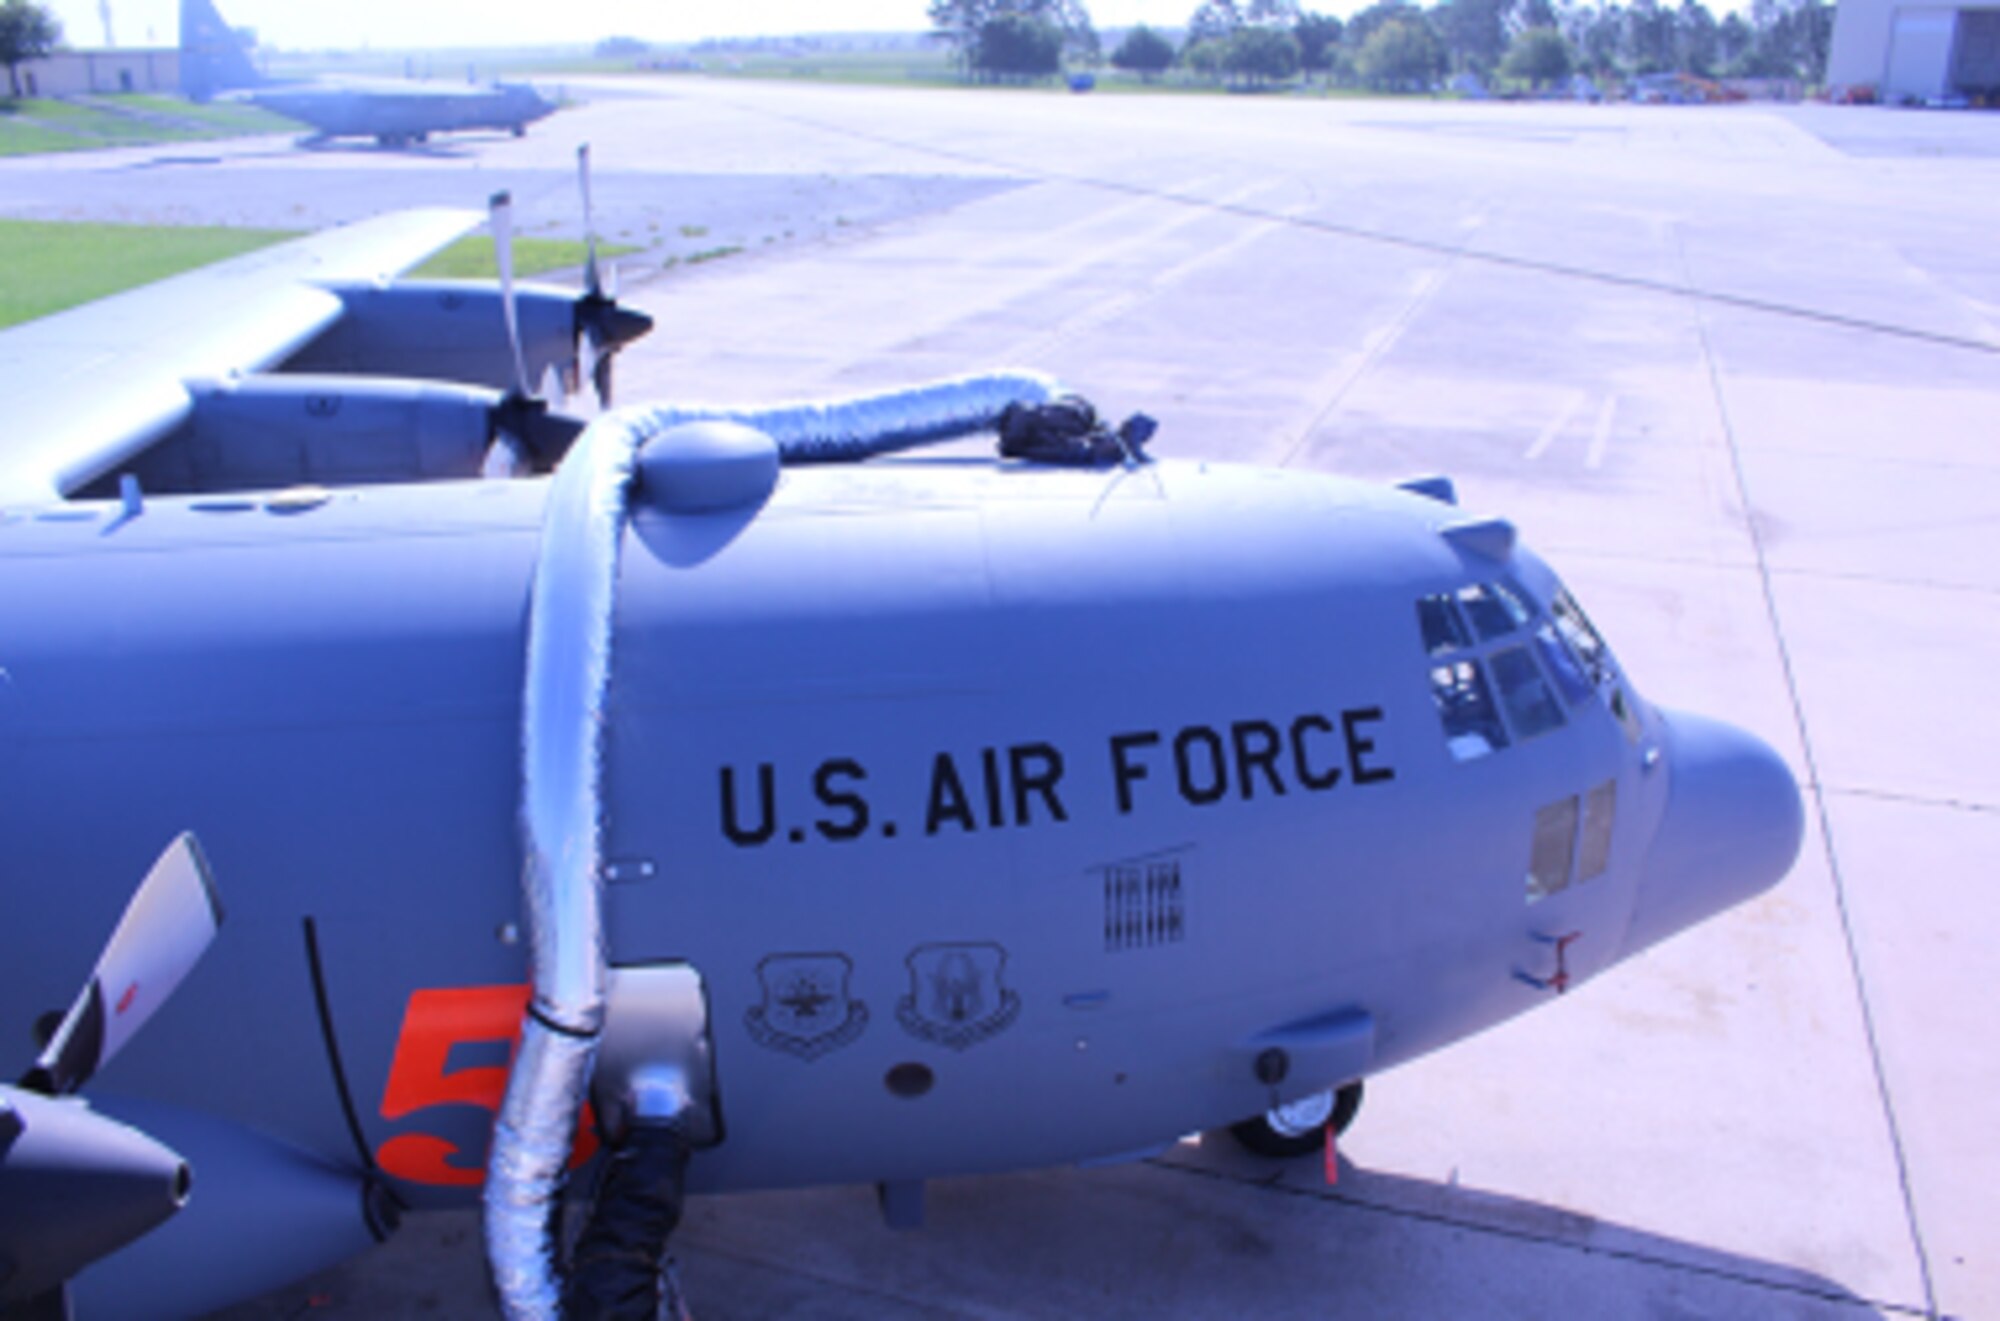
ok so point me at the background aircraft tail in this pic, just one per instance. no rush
(212, 55)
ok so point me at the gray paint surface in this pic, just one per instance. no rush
(1720, 1097)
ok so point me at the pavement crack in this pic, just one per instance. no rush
(1814, 789)
(1885, 580)
(1915, 800)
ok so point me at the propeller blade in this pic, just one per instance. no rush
(602, 327)
(591, 283)
(506, 457)
(600, 379)
(502, 210)
(526, 438)
(167, 926)
(590, 362)
(553, 389)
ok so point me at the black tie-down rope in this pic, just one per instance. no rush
(381, 1208)
(619, 1269)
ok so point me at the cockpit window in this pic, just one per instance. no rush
(1544, 663)
(1531, 708)
(1493, 609)
(1472, 726)
(1582, 638)
(1561, 662)
(1443, 630)
(1519, 604)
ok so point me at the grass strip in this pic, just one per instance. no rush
(46, 266)
(472, 258)
(41, 124)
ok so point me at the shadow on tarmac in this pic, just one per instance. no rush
(456, 149)
(1202, 1231)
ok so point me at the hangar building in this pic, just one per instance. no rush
(1918, 50)
(96, 72)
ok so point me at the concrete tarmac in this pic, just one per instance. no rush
(1734, 371)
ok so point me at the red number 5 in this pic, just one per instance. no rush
(434, 1022)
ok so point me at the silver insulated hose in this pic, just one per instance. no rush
(568, 676)
(842, 430)
(562, 814)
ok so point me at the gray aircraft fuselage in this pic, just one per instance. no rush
(214, 59)
(405, 116)
(1006, 815)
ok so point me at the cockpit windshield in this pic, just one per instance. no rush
(1494, 609)
(1562, 662)
(1443, 630)
(1581, 635)
(1542, 661)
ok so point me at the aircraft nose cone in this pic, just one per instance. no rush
(1731, 829)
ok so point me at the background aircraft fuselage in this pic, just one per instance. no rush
(406, 115)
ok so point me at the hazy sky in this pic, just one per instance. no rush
(353, 23)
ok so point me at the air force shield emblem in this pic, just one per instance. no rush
(956, 996)
(807, 1010)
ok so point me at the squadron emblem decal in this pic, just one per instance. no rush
(956, 996)
(807, 1010)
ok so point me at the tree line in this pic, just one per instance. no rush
(1398, 45)
(28, 31)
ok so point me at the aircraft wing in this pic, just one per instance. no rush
(88, 388)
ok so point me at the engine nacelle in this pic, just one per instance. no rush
(74, 1186)
(263, 432)
(265, 1213)
(444, 330)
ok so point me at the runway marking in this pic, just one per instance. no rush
(1974, 309)
(1333, 387)
(1557, 425)
(1037, 279)
(1085, 220)
(1602, 436)
(1684, 289)
(1180, 220)
(1600, 433)
(1111, 308)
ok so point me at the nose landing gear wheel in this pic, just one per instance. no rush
(1299, 1129)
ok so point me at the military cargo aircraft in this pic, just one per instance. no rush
(394, 112)
(733, 798)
